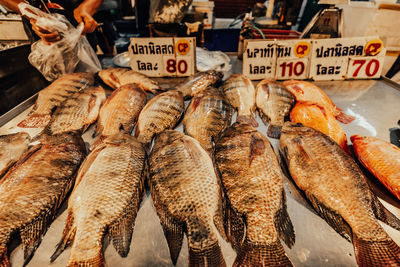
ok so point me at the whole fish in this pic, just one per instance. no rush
(187, 197)
(312, 94)
(121, 110)
(240, 93)
(53, 96)
(207, 115)
(117, 77)
(319, 119)
(199, 82)
(160, 113)
(274, 102)
(381, 158)
(78, 112)
(252, 179)
(339, 192)
(32, 191)
(106, 196)
(12, 146)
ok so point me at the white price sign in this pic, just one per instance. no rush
(365, 67)
(292, 69)
(157, 57)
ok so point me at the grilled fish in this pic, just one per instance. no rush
(53, 96)
(78, 112)
(198, 82)
(338, 191)
(160, 113)
(274, 102)
(320, 119)
(381, 158)
(187, 197)
(107, 194)
(12, 146)
(240, 93)
(311, 94)
(207, 116)
(116, 77)
(252, 179)
(121, 110)
(34, 188)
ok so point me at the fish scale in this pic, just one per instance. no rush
(107, 195)
(33, 189)
(12, 146)
(187, 197)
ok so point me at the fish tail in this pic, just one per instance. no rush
(376, 253)
(211, 256)
(97, 261)
(67, 238)
(274, 131)
(4, 257)
(247, 119)
(35, 121)
(253, 254)
(344, 118)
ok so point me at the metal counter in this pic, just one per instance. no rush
(376, 106)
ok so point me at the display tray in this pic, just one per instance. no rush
(374, 103)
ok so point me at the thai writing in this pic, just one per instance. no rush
(283, 51)
(261, 52)
(152, 49)
(146, 65)
(259, 69)
(340, 51)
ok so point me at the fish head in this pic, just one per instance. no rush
(357, 138)
(238, 128)
(292, 136)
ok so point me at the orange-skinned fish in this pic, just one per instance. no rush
(381, 158)
(309, 93)
(321, 120)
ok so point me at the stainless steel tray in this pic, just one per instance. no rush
(376, 106)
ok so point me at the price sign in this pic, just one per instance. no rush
(259, 59)
(292, 69)
(365, 67)
(157, 57)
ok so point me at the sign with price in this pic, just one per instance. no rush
(320, 59)
(158, 57)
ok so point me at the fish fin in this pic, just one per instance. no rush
(211, 256)
(67, 238)
(121, 231)
(383, 214)
(344, 118)
(173, 232)
(235, 228)
(4, 262)
(97, 261)
(254, 254)
(35, 121)
(257, 148)
(219, 222)
(283, 224)
(376, 253)
(32, 234)
(274, 131)
(249, 119)
(332, 218)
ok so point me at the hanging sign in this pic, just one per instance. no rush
(319, 59)
(158, 57)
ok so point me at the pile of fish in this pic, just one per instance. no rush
(215, 180)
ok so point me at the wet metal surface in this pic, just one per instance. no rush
(376, 106)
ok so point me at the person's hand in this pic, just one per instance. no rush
(47, 36)
(83, 14)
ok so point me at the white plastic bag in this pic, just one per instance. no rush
(72, 53)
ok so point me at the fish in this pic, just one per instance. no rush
(121, 110)
(253, 182)
(12, 146)
(312, 94)
(274, 102)
(187, 196)
(160, 113)
(106, 197)
(320, 119)
(338, 190)
(32, 191)
(199, 82)
(240, 93)
(207, 116)
(78, 112)
(116, 77)
(381, 158)
(53, 96)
